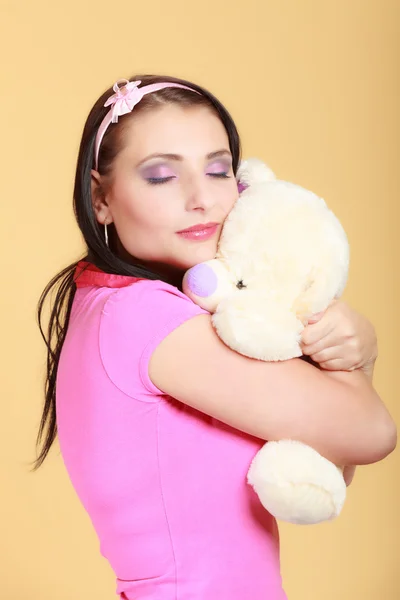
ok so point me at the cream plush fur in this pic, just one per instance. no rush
(282, 256)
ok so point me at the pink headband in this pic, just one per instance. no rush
(123, 102)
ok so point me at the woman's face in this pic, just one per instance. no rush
(173, 174)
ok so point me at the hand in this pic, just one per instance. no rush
(340, 339)
(348, 474)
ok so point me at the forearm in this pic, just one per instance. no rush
(349, 470)
(384, 435)
(336, 413)
(361, 377)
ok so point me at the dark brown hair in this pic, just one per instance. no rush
(98, 252)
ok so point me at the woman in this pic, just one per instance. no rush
(157, 420)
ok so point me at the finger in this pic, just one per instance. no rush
(317, 316)
(334, 355)
(348, 474)
(335, 364)
(328, 354)
(330, 340)
(313, 333)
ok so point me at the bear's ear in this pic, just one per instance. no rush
(253, 171)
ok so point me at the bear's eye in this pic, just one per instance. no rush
(240, 285)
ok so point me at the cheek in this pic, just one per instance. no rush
(228, 198)
(142, 219)
(142, 215)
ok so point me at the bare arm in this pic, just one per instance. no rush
(341, 339)
(337, 413)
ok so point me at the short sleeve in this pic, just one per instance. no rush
(134, 320)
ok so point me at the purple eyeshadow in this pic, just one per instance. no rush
(157, 172)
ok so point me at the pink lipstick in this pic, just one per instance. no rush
(200, 232)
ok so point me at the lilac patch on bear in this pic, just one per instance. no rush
(202, 280)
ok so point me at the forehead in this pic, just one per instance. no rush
(191, 131)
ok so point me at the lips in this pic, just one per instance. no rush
(199, 227)
(200, 232)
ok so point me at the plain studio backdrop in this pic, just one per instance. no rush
(314, 88)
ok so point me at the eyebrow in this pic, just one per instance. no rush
(178, 157)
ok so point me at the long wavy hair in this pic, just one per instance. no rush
(97, 251)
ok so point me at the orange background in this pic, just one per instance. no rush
(314, 87)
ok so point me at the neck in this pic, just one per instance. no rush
(170, 274)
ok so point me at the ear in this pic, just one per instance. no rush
(99, 203)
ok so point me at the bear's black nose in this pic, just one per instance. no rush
(240, 285)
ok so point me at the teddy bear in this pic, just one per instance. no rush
(282, 256)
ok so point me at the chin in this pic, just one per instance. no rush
(201, 254)
(189, 256)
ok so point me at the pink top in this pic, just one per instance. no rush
(163, 484)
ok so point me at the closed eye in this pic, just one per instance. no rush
(158, 180)
(219, 175)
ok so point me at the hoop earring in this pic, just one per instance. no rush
(106, 234)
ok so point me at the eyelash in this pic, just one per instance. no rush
(156, 181)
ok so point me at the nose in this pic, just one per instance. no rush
(198, 194)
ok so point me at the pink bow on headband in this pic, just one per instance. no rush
(124, 101)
